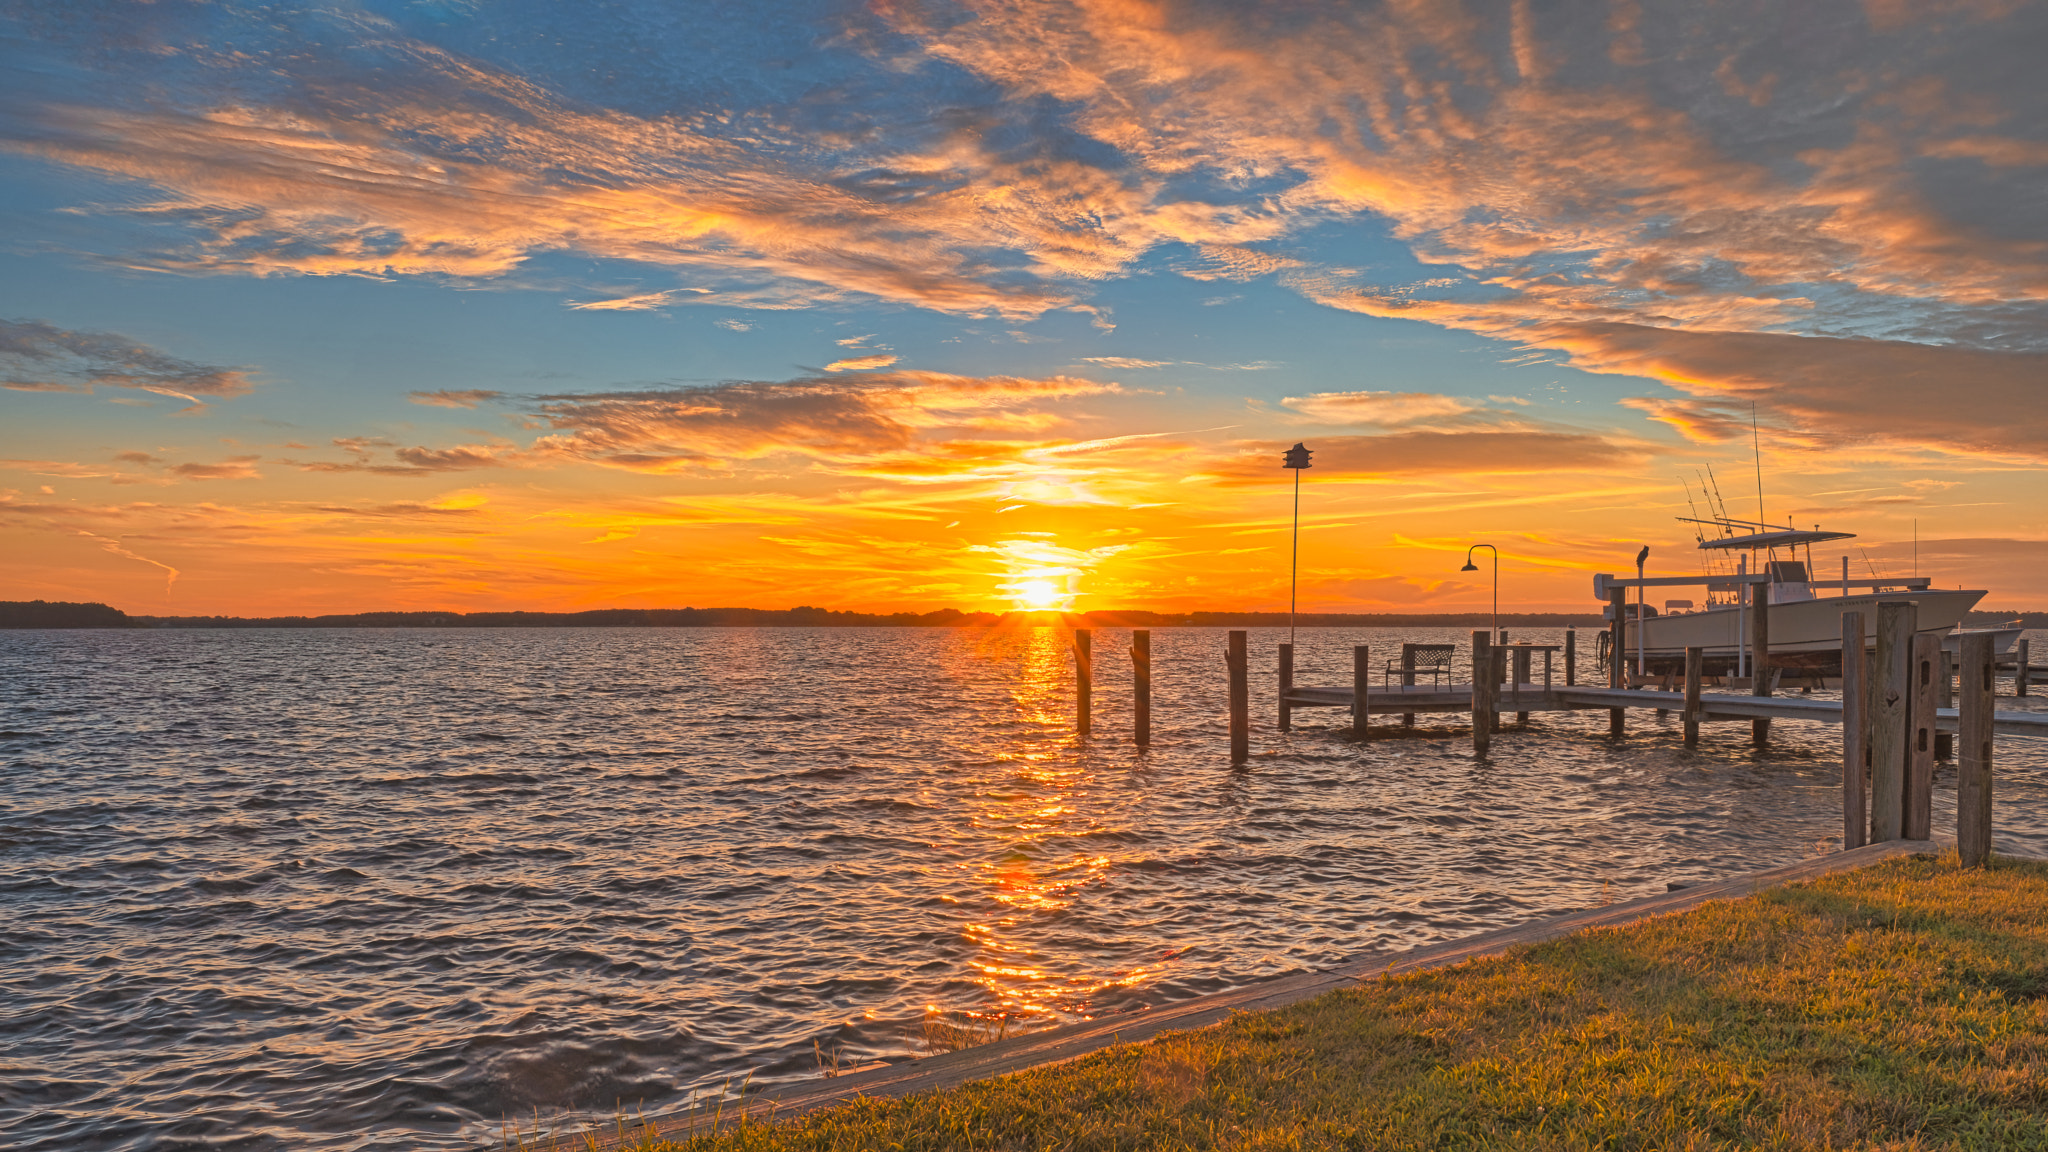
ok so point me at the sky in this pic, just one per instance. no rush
(477, 305)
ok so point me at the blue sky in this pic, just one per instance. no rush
(476, 305)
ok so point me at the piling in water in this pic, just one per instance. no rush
(1361, 689)
(1760, 658)
(1084, 679)
(1286, 684)
(1141, 687)
(1695, 672)
(1238, 660)
(1617, 657)
(1482, 706)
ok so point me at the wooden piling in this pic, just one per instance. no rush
(1238, 660)
(1919, 822)
(1695, 672)
(1518, 676)
(2022, 673)
(1945, 697)
(1760, 658)
(1084, 679)
(1617, 657)
(1141, 687)
(1897, 622)
(1482, 677)
(1973, 734)
(1571, 657)
(1500, 675)
(1855, 734)
(1361, 689)
(1407, 680)
(1286, 685)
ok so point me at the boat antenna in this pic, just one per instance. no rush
(1697, 535)
(1868, 564)
(1723, 513)
(1916, 546)
(1757, 448)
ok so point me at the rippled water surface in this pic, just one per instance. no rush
(284, 888)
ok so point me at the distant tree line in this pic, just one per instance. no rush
(60, 614)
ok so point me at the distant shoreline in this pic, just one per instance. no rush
(61, 614)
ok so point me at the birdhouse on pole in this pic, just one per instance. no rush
(1297, 458)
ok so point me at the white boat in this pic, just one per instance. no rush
(1805, 622)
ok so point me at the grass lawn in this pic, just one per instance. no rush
(1895, 1007)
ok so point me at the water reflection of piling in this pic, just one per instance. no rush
(1141, 686)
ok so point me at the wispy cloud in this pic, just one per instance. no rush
(453, 398)
(861, 363)
(40, 357)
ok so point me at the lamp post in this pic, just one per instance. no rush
(1471, 567)
(1297, 459)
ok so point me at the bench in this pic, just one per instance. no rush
(1432, 660)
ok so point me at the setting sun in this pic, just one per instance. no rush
(1038, 595)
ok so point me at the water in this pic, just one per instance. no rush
(350, 889)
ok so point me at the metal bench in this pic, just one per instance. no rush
(1432, 660)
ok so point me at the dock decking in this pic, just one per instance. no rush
(1397, 701)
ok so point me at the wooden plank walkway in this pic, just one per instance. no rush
(1072, 1041)
(1536, 698)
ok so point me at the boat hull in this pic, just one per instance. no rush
(1805, 634)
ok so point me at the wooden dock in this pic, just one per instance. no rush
(1396, 701)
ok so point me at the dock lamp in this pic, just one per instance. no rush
(1297, 459)
(1471, 567)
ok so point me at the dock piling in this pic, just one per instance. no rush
(1141, 687)
(1238, 660)
(1973, 731)
(1084, 679)
(2022, 671)
(1760, 659)
(1855, 733)
(1897, 621)
(1407, 680)
(1361, 689)
(1482, 685)
(1945, 697)
(1500, 675)
(1518, 676)
(1695, 672)
(1571, 657)
(1617, 656)
(1286, 685)
(1919, 822)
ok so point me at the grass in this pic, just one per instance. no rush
(1900, 1006)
